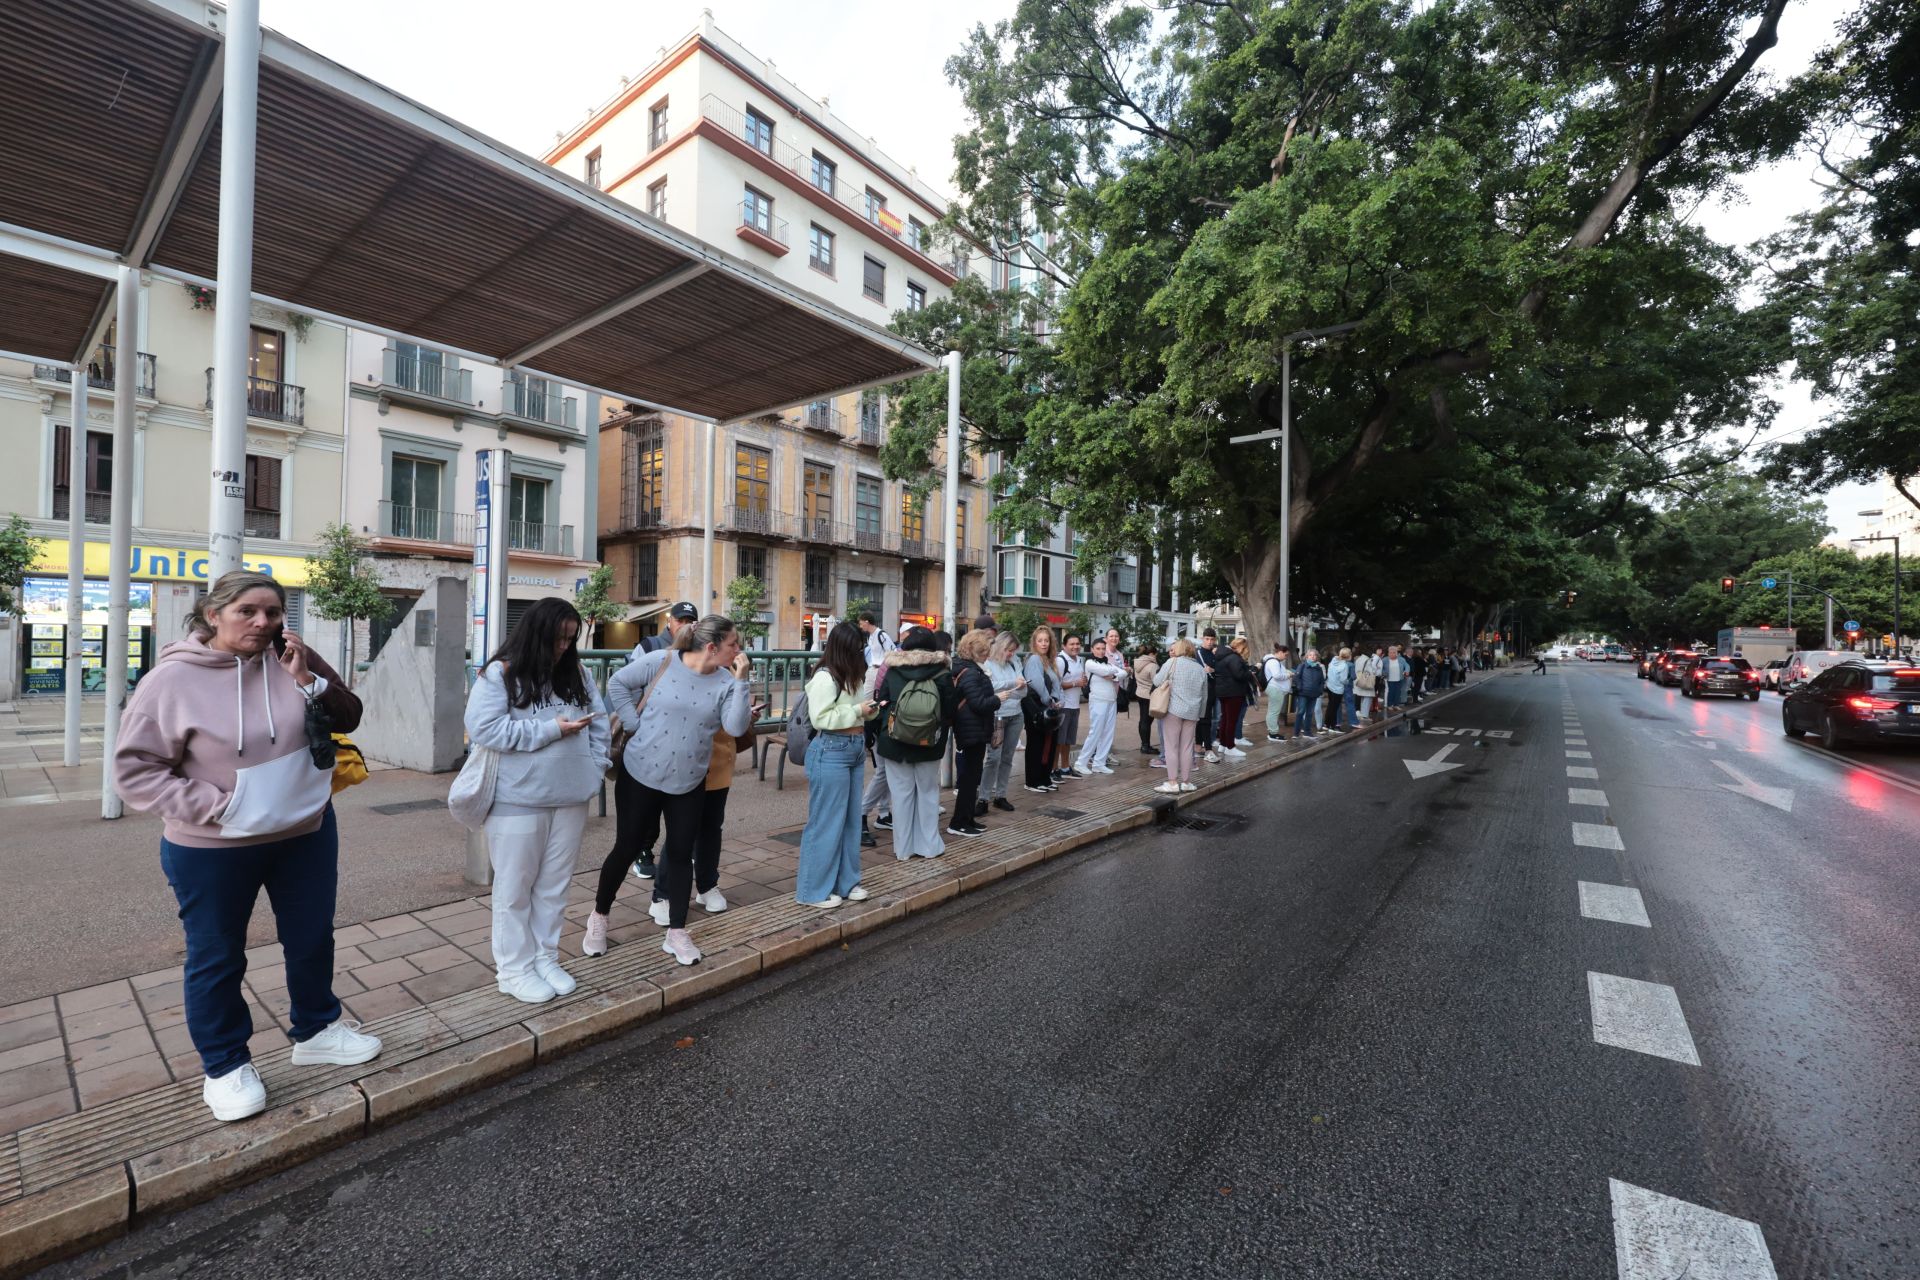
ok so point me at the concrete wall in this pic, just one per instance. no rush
(415, 691)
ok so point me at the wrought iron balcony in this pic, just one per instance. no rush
(759, 226)
(273, 401)
(408, 371)
(101, 371)
(425, 524)
(824, 529)
(822, 416)
(537, 400)
(541, 539)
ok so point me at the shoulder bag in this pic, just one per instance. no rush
(1160, 704)
(617, 748)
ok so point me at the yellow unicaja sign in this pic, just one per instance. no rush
(166, 564)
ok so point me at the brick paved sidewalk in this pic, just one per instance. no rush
(103, 1081)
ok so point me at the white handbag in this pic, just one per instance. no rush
(470, 799)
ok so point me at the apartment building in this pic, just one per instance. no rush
(296, 445)
(713, 140)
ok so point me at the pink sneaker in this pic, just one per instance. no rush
(595, 943)
(679, 945)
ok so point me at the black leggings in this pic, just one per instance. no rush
(1039, 753)
(1146, 723)
(674, 877)
(636, 816)
(967, 762)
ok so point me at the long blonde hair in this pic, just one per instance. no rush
(227, 588)
(1053, 644)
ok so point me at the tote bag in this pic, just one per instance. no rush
(470, 799)
(1161, 703)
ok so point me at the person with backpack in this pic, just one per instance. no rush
(838, 706)
(1010, 686)
(1146, 665)
(1276, 671)
(973, 722)
(536, 707)
(1042, 707)
(1103, 708)
(1309, 687)
(917, 704)
(1186, 702)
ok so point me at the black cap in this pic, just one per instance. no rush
(685, 612)
(985, 622)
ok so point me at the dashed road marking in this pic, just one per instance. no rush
(1583, 795)
(1576, 742)
(1657, 1237)
(1579, 755)
(1642, 1016)
(1582, 771)
(1597, 835)
(1616, 902)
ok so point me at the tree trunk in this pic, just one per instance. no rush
(1254, 575)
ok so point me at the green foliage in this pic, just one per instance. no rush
(595, 600)
(18, 550)
(858, 605)
(341, 581)
(1141, 628)
(1019, 620)
(1081, 622)
(744, 595)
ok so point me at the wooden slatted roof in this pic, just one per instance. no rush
(375, 210)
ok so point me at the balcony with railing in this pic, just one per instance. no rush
(425, 524)
(98, 508)
(759, 228)
(260, 523)
(762, 522)
(922, 548)
(433, 379)
(971, 557)
(822, 416)
(540, 405)
(271, 401)
(826, 530)
(540, 539)
(101, 371)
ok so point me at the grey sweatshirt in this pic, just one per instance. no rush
(672, 741)
(539, 767)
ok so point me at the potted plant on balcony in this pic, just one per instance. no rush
(201, 295)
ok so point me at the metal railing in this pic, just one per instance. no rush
(754, 218)
(98, 505)
(545, 539)
(425, 524)
(971, 557)
(278, 401)
(428, 377)
(763, 521)
(922, 548)
(537, 400)
(870, 433)
(261, 524)
(822, 416)
(824, 529)
(101, 371)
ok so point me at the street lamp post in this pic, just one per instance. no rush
(1894, 538)
(1284, 436)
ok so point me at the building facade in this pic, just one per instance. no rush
(296, 447)
(713, 140)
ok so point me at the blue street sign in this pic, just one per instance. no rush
(1769, 583)
(1851, 625)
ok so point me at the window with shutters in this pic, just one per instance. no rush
(875, 283)
(96, 478)
(263, 497)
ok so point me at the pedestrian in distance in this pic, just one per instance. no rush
(1183, 671)
(975, 715)
(879, 643)
(1395, 672)
(1042, 705)
(1203, 737)
(1340, 691)
(839, 705)
(1010, 686)
(1309, 689)
(1232, 686)
(1416, 675)
(1146, 665)
(229, 740)
(1103, 708)
(1276, 669)
(1367, 672)
(1073, 687)
(636, 818)
(672, 702)
(534, 705)
(917, 705)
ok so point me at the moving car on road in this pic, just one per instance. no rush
(1713, 674)
(1673, 667)
(1648, 661)
(1856, 701)
(1808, 663)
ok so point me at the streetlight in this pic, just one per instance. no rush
(1286, 454)
(1894, 538)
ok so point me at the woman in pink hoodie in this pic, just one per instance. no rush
(228, 740)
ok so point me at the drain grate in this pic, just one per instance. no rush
(1212, 824)
(408, 806)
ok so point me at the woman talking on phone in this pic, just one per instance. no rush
(672, 702)
(228, 739)
(535, 705)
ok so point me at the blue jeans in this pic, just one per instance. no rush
(1347, 709)
(1396, 692)
(830, 844)
(216, 889)
(1304, 719)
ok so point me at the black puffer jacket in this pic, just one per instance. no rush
(1232, 678)
(973, 717)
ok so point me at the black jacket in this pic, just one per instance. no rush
(1231, 676)
(976, 705)
(903, 667)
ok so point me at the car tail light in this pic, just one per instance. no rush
(1754, 676)
(1872, 704)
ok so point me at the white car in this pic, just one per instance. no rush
(1808, 663)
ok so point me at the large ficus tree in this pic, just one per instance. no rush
(1494, 190)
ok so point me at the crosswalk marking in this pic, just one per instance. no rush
(1617, 903)
(1642, 1016)
(1657, 1237)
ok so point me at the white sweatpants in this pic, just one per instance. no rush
(533, 852)
(1100, 722)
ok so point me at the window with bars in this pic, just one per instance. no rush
(752, 479)
(820, 248)
(643, 495)
(825, 173)
(646, 570)
(413, 490)
(759, 132)
(527, 529)
(874, 284)
(751, 562)
(657, 125)
(819, 578)
(262, 514)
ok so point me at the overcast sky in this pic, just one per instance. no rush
(521, 73)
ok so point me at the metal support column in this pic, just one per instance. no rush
(706, 539)
(950, 591)
(239, 122)
(76, 559)
(126, 374)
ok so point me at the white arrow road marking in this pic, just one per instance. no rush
(1780, 798)
(1423, 768)
(1656, 1237)
(1615, 902)
(1642, 1016)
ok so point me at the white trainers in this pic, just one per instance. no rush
(1101, 768)
(857, 894)
(527, 988)
(554, 976)
(1212, 757)
(661, 912)
(1244, 743)
(235, 1095)
(1188, 786)
(343, 1044)
(679, 945)
(1168, 788)
(1083, 771)
(595, 943)
(831, 900)
(1234, 753)
(712, 901)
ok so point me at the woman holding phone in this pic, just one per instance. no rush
(535, 705)
(839, 706)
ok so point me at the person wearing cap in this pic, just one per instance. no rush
(636, 818)
(986, 623)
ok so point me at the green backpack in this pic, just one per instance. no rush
(916, 714)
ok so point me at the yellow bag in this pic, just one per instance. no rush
(349, 766)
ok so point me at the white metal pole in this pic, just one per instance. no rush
(706, 539)
(590, 536)
(126, 376)
(239, 120)
(1286, 488)
(499, 544)
(950, 592)
(76, 560)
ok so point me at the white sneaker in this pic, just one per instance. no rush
(1083, 771)
(341, 1045)
(554, 976)
(661, 912)
(527, 988)
(235, 1095)
(679, 944)
(595, 943)
(1211, 758)
(1168, 788)
(712, 901)
(1188, 786)
(1234, 753)
(858, 894)
(830, 901)
(1101, 768)
(1244, 743)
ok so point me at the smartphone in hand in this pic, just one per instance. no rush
(280, 640)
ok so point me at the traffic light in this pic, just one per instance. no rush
(1566, 599)
(1727, 585)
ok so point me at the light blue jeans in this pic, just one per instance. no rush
(830, 844)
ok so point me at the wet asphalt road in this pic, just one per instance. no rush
(1348, 1035)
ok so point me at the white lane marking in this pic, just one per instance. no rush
(1642, 1016)
(1597, 835)
(1615, 902)
(1657, 1237)
(1779, 797)
(1579, 755)
(1433, 765)
(1582, 795)
(1576, 742)
(1581, 771)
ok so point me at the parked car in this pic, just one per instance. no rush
(1712, 674)
(1673, 667)
(1808, 663)
(1770, 674)
(1856, 701)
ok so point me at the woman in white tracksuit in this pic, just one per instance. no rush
(1103, 706)
(535, 704)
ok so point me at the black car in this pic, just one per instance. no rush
(1714, 674)
(1673, 666)
(1648, 661)
(1856, 702)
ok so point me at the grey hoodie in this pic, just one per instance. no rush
(539, 766)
